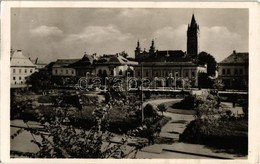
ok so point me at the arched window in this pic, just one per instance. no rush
(120, 72)
(104, 72)
(99, 72)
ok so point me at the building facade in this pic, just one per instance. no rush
(61, 68)
(114, 65)
(171, 64)
(233, 70)
(21, 68)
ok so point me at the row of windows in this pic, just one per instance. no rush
(236, 71)
(20, 70)
(19, 78)
(66, 71)
(166, 74)
(104, 72)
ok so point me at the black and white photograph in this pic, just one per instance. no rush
(129, 83)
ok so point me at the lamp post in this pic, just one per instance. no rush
(87, 73)
(142, 108)
(127, 85)
(175, 74)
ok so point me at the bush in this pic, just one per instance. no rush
(231, 134)
(150, 110)
(162, 108)
(187, 103)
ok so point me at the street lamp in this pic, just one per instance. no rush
(175, 74)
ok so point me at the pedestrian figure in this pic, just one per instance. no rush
(150, 137)
(234, 103)
(158, 129)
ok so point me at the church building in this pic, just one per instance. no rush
(175, 64)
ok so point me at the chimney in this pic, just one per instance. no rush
(234, 51)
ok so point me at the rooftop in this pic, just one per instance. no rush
(64, 62)
(19, 60)
(236, 57)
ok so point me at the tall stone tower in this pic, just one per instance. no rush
(192, 38)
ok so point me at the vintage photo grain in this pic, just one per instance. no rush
(129, 83)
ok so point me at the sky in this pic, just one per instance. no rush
(66, 33)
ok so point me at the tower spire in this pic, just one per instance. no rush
(192, 38)
(152, 48)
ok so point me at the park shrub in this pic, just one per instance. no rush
(150, 110)
(215, 125)
(62, 140)
(187, 103)
(232, 134)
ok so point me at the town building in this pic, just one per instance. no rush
(61, 68)
(233, 70)
(84, 66)
(113, 66)
(181, 67)
(21, 68)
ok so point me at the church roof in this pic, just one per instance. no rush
(167, 56)
(236, 57)
(19, 60)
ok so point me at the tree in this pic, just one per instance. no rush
(39, 80)
(59, 139)
(162, 108)
(205, 58)
(124, 54)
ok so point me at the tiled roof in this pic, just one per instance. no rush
(64, 62)
(115, 60)
(167, 56)
(19, 60)
(236, 57)
(85, 61)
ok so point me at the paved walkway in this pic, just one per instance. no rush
(172, 130)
